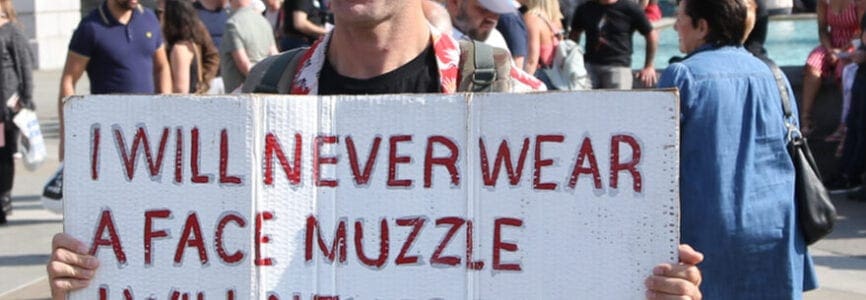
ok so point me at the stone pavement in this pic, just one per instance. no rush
(25, 242)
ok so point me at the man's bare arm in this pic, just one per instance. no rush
(161, 71)
(242, 61)
(72, 71)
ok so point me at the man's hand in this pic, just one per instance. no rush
(647, 76)
(677, 281)
(833, 55)
(70, 267)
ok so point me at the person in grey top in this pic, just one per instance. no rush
(16, 80)
(247, 40)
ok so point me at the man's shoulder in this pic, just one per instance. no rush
(729, 62)
(93, 18)
(245, 16)
(147, 16)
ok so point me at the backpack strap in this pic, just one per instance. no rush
(283, 68)
(477, 67)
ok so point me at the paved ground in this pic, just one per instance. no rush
(25, 240)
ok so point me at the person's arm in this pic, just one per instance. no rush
(161, 71)
(242, 61)
(72, 71)
(273, 50)
(677, 281)
(181, 59)
(70, 267)
(533, 42)
(301, 24)
(648, 75)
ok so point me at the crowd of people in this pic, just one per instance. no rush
(737, 181)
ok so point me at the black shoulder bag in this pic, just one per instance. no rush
(815, 212)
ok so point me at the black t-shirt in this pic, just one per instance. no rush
(421, 75)
(609, 29)
(314, 15)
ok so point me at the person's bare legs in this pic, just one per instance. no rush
(811, 86)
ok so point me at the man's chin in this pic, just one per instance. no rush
(479, 35)
(129, 5)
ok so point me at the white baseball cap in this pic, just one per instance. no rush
(498, 6)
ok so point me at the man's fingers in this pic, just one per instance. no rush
(59, 270)
(68, 284)
(662, 296)
(682, 271)
(659, 286)
(62, 240)
(689, 256)
(62, 255)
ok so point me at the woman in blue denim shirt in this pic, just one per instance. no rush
(737, 180)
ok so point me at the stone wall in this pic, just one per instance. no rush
(49, 24)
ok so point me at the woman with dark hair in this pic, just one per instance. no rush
(303, 22)
(736, 177)
(16, 91)
(193, 57)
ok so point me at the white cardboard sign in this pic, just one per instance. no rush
(487, 196)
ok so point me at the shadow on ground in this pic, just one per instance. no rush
(840, 262)
(23, 260)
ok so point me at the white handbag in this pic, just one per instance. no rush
(32, 144)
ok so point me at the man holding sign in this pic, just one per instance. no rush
(389, 35)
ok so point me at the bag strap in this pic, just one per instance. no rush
(793, 131)
(198, 69)
(278, 70)
(485, 68)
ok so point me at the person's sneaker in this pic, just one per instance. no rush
(842, 185)
(52, 193)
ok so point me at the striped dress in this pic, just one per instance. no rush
(844, 26)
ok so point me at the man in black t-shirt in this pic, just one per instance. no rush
(419, 75)
(609, 25)
(302, 23)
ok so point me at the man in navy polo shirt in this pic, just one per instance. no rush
(120, 46)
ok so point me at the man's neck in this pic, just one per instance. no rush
(365, 52)
(122, 15)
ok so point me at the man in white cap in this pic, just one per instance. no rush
(476, 19)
